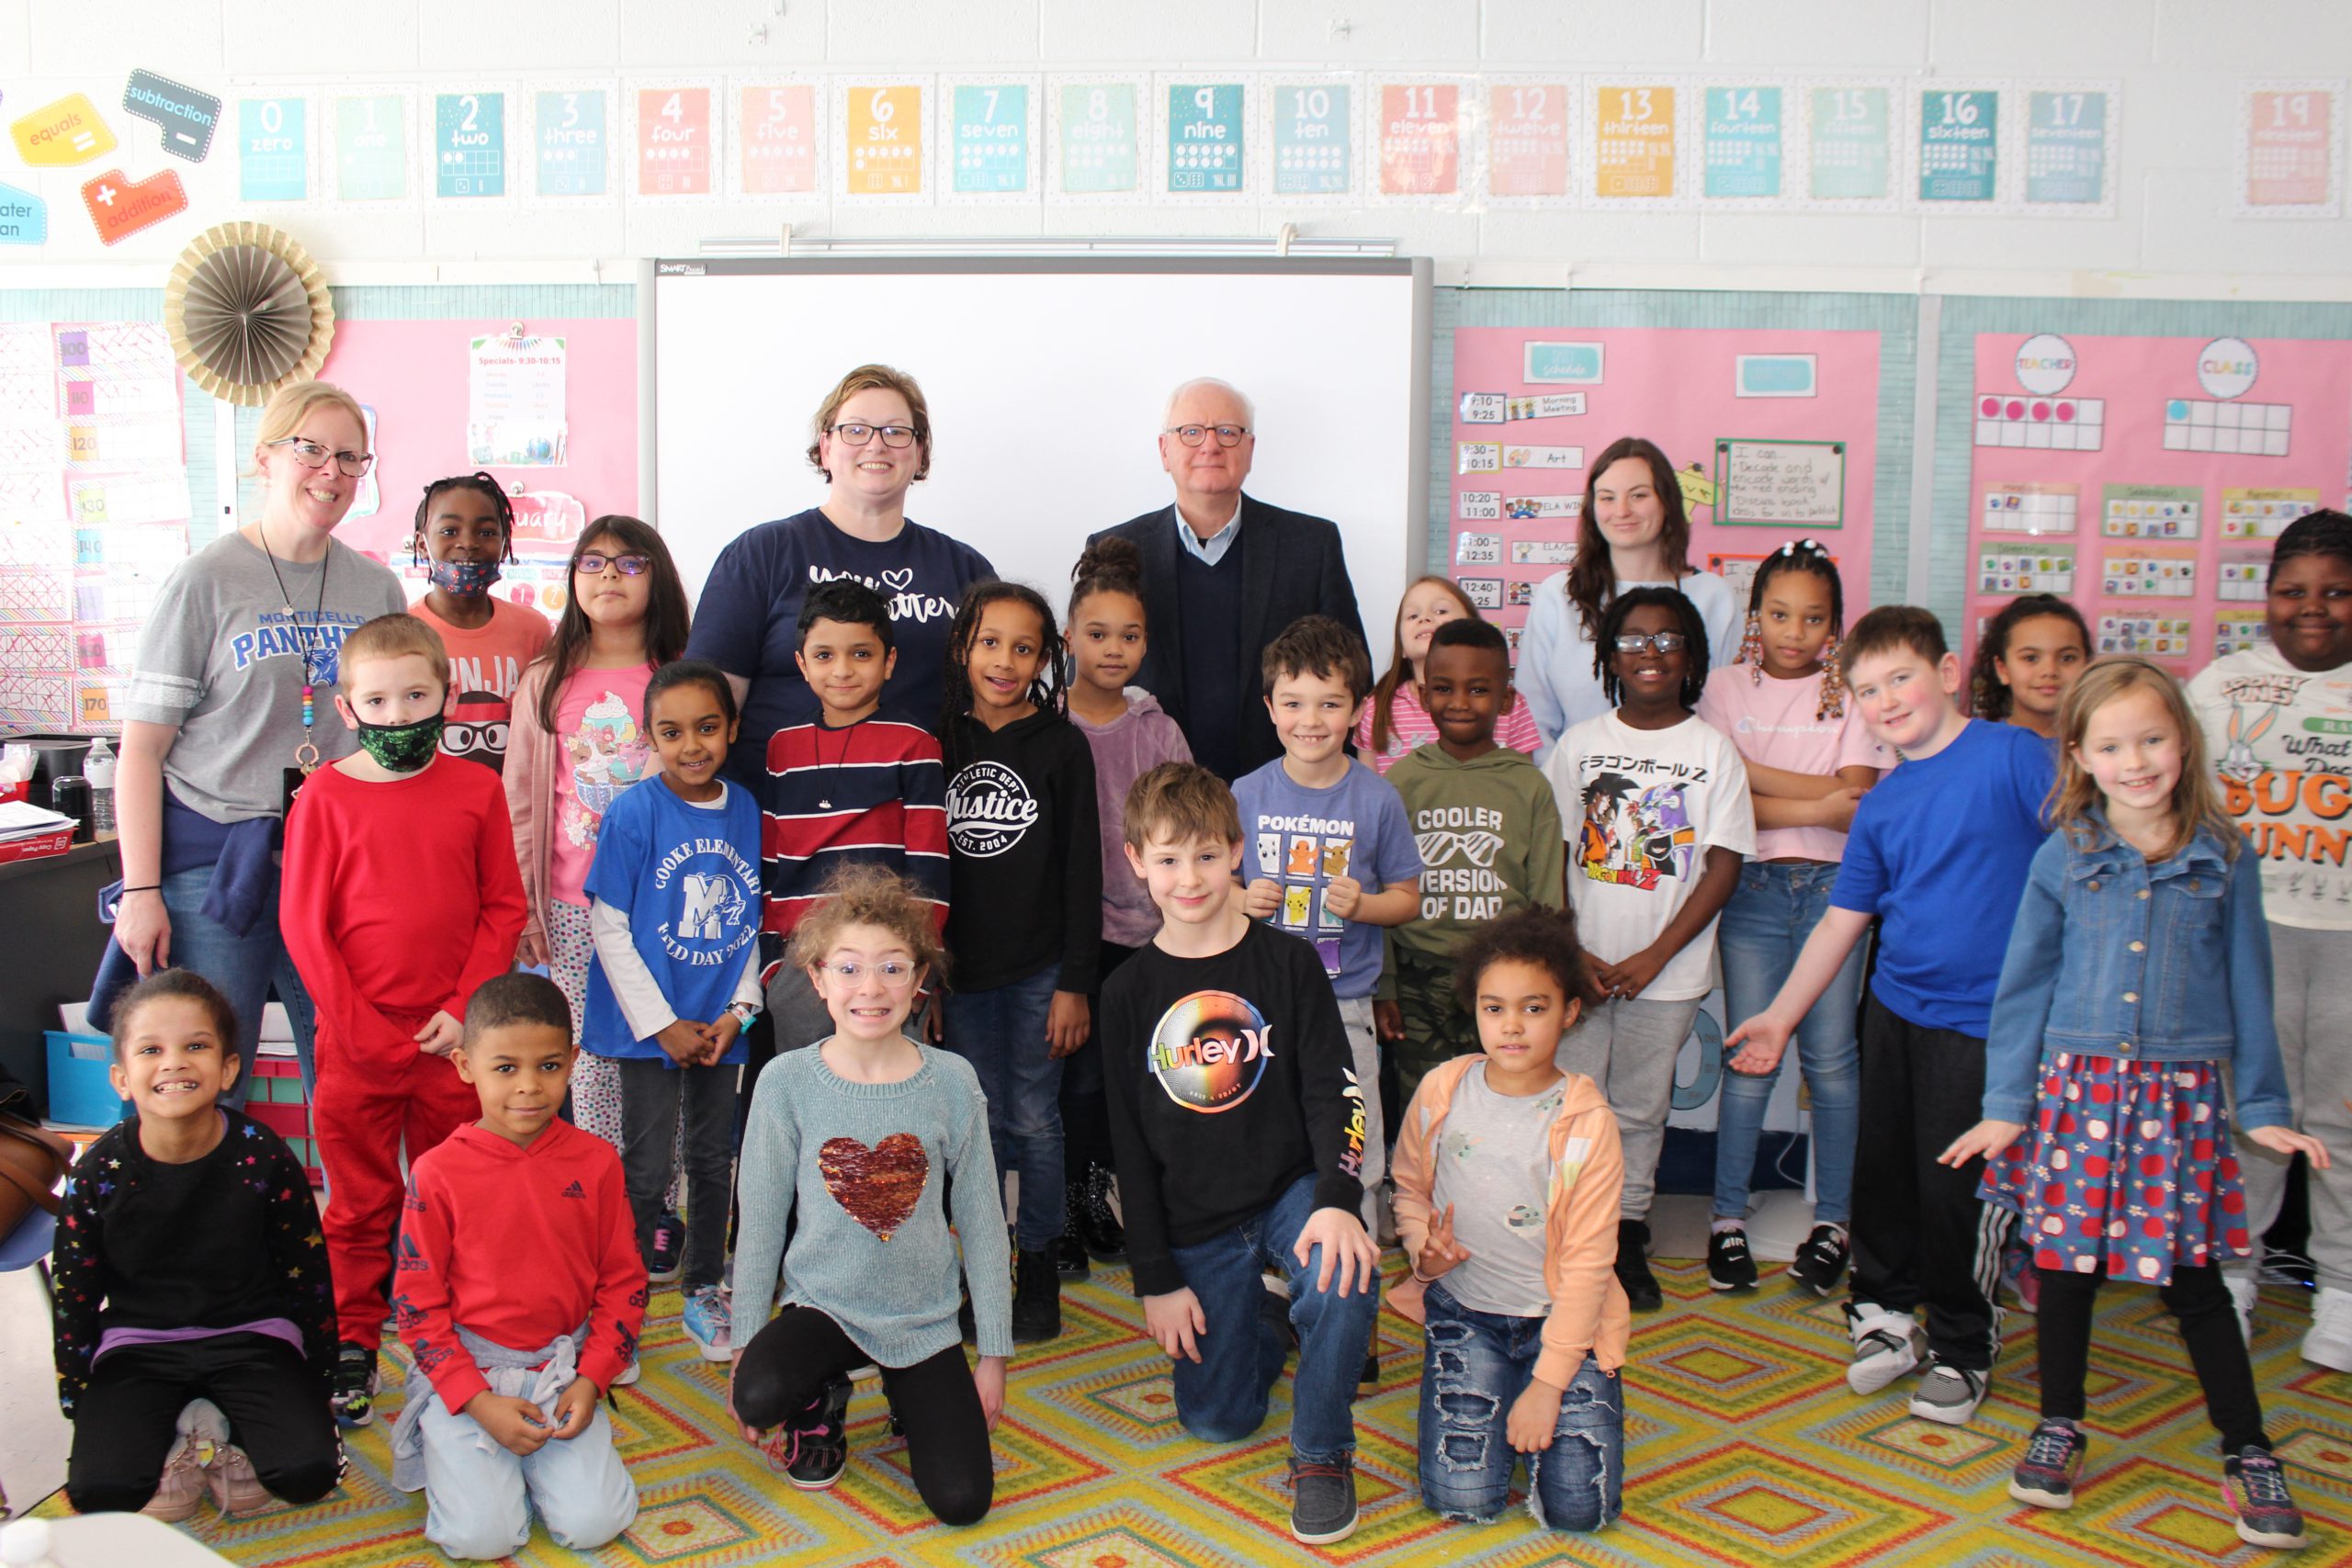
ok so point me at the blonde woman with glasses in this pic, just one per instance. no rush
(231, 707)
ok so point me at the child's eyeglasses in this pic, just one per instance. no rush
(311, 455)
(890, 971)
(1642, 642)
(593, 565)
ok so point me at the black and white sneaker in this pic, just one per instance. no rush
(354, 1384)
(1730, 1265)
(1820, 1263)
(1885, 1345)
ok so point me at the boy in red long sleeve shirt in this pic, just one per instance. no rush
(510, 1421)
(400, 897)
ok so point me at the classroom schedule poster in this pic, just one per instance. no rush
(1773, 437)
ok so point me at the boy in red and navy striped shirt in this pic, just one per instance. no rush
(849, 787)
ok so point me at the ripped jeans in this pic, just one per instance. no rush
(1477, 1363)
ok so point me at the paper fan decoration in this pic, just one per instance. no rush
(248, 313)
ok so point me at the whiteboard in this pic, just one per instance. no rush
(1048, 380)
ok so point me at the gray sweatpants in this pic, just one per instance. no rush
(1628, 1048)
(2312, 1001)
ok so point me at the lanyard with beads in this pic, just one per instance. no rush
(306, 755)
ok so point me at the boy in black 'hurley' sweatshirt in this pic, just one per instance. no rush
(1238, 1127)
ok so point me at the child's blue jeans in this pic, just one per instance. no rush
(1477, 1365)
(1002, 1032)
(1764, 926)
(1222, 1398)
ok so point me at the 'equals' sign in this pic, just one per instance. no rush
(84, 139)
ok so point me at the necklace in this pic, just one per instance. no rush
(833, 774)
(306, 755)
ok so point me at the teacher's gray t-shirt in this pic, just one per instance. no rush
(221, 658)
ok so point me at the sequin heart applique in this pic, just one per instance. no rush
(878, 1186)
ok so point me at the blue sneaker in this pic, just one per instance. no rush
(709, 1324)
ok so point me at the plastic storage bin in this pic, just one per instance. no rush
(80, 1093)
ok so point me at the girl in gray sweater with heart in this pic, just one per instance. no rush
(869, 1147)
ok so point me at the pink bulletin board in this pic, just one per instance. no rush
(2143, 479)
(413, 375)
(1788, 418)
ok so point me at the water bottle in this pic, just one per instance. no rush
(98, 768)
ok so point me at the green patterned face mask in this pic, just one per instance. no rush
(403, 748)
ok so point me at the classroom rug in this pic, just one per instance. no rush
(1743, 1446)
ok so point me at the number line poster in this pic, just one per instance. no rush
(2144, 478)
(1780, 426)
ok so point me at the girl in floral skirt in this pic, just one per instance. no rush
(2139, 965)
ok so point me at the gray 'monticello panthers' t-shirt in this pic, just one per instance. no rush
(1494, 1165)
(221, 658)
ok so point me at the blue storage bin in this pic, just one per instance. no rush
(80, 1093)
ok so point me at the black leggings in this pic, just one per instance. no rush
(2209, 1327)
(787, 1364)
(125, 1421)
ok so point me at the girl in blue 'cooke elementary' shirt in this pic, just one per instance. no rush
(676, 981)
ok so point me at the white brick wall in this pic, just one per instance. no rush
(2180, 61)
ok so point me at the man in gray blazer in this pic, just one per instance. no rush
(1222, 574)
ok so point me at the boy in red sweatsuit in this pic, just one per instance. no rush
(400, 897)
(521, 1293)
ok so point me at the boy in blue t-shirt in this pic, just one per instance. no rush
(675, 886)
(1938, 852)
(1328, 853)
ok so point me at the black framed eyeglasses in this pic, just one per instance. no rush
(1642, 642)
(311, 455)
(898, 436)
(1194, 435)
(593, 565)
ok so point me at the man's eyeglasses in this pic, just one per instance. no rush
(1642, 642)
(1194, 435)
(893, 974)
(311, 455)
(593, 565)
(893, 435)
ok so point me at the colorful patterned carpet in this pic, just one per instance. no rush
(1743, 1447)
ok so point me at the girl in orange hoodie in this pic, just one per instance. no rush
(1508, 1176)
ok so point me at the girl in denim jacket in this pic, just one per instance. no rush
(2139, 965)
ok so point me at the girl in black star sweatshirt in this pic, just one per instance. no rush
(1024, 865)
